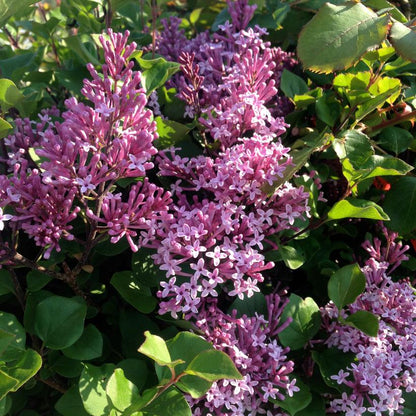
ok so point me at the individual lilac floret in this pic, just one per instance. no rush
(82, 157)
(385, 365)
(252, 344)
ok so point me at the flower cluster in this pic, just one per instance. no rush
(385, 365)
(251, 343)
(80, 159)
(230, 81)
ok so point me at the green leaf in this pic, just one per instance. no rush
(6, 282)
(135, 370)
(306, 321)
(395, 139)
(298, 401)
(133, 292)
(384, 4)
(292, 257)
(328, 109)
(36, 280)
(9, 8)
(70, 404)
(249, 306)
(186, 346)
(403, 38)
(315, 408)
(145, 269)
(23, 370)
(5, 405)
(156, 71)
(330, 361)
(299, 159)
(355, 146)
(59, 321)
(385, 165)
(170, 132)
(92, 385)
(337, 36)
(6, 383)
(357, 208)
(345, 285)
(12, 328)
(364, 321)
(155, 348)
(169, 403)
(77, 44)
(120, 390)
(291, 84)
(5, 128)
(88, 347)
(213, 365)
(10, 95)
(400, 205)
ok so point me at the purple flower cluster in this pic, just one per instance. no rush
(83, 157)
(385, 365)
(252, 344)
(229, 81)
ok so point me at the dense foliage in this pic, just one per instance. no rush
(207, 208)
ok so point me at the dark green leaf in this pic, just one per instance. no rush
(400, 205)
(250, 306)
(70, 404)
(337, 36)
(37, 280)
(357, 208)
(6, 282)
(328, 109)
(212, 365)
(298, 401)
(403, 39)
(395, 139)
(9, 8)
(144, 268)
(134, 292)
(315, 408)
(88, 347)
(12, 327)
(364, 321)
(345, 285)
(134, 370)
(59, 321)
(169, 403)
(291, 84)
(306, 321)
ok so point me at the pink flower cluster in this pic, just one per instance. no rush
(385, 365)
(80, 159)
(252, 344)
(230, 81)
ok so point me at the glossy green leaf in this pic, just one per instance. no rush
(70, 404)
(212, 365)
(5, 128)
(383, 5)
(6, 383)
(337, 36)
(291, 84)
(9, 8)
(170, 132)
(155, 348)
(186, 346)
(355, 146)
(25, 368)
(88, 347)
(36, 280)
(133, 292)
(364, 321)
(330, 361)
(135, 370)
(400, 205)
(10, 95)
(328, 109)
(306, 321)
(395, 139)
(170, 403)
(298, 401)
(92, 385)
(59, 321)
(11, 327)
(345, 285)
(403, 39)
(120, 390)
(357, 208)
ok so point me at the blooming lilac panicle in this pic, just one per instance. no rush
(252, 344)
(84, 155)
(385, 365)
